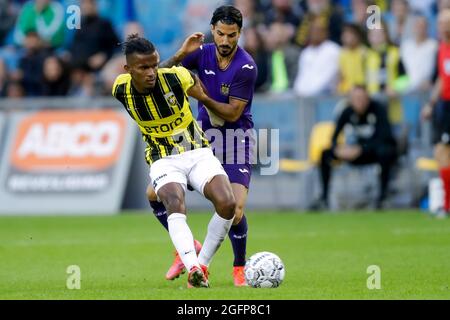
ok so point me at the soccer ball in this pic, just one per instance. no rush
(264, 270)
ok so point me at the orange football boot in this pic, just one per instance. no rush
(239, 277)
(177, 268)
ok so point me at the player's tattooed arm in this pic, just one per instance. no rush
(192, 43)
(198, 90)
(175, 60)
(230, 112)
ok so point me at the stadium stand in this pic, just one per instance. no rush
(26, 70)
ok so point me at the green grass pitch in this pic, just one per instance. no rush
(326, 257)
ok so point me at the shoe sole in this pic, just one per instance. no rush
(241, 285)
(197, 280)
(176, 276)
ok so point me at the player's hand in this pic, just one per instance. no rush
(192, 43)
(196, 91)
(426, 112)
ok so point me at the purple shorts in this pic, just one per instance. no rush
(239, 173)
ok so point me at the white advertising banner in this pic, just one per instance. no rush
(66, 162)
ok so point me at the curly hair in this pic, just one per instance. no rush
(136, 44)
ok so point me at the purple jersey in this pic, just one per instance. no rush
(236, 81)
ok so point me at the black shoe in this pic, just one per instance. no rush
(380, 204)
(319, 205)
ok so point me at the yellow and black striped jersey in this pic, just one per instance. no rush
(164, 116)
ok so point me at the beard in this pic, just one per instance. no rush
(227, 53)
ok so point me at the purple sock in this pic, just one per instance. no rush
(238, 237)
(160, 212)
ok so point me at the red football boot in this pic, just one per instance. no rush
(239, 277)
(177, 268)
(198, 277)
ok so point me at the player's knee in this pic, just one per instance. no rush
(173, 201)
(151, 195)
(226, 207)
(238, 214)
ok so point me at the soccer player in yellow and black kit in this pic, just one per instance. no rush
(178, 152)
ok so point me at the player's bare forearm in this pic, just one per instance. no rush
(175, 60)
(228, 111)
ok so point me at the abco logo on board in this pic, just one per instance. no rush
(66, 151)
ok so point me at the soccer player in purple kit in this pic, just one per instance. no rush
(229, 74)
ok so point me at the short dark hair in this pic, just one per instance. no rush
(362, 87)
(136, 44)
(228, 15)
(355, 29)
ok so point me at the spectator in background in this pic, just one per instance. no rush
(7, 19)
(46, 17)
(352, 59)
(279, 30)
(360, 14)
(318, 65)
(15, 90)
(252, 41)
(3, 78)
(385, 74)
(95, 42)
(285, 12)
(438, 107)
(424, 7)
(382, 4)
(56, 79)
(114, 67)
(93, 45)
(330, 15)
(400, 21)
(197, 12)
(443, 4)
(30, 73)
(418, 56)
(369, 139)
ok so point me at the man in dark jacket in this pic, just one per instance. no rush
(93, 44)
(369, 139)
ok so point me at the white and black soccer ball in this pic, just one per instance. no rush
(264, 270)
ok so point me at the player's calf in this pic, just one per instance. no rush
(220, 193)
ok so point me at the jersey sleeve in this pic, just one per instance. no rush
(118, 88)
(191, 61)
(114, 88)
(243, 85)
(186, 79)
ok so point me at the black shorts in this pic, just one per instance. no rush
(441, 123)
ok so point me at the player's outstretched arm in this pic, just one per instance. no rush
(192, 43)
(227, 111)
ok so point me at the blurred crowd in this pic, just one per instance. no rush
(313, 47)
